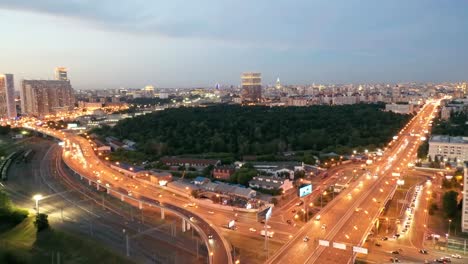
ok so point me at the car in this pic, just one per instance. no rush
(423, 251)
(384, 238)
(210, 237)
(210, 212)
(396, 252)
(192, 219)
(252, 229)
(324, 226)
(446, 259)
(394, 260)
(293, 211)
(317, 218)
(306, 239)
(299, 203)
(289, 221)
(378, 244)
(456, 256)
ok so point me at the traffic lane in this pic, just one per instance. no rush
(298, 250)
(351, 237)
(217, 250)
(218, 256)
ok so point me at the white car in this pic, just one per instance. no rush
(456, 256)
(252, 229)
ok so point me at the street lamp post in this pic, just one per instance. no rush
(448, 233)
(37, 198)
(386, 232)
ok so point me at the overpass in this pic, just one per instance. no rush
(78, 155)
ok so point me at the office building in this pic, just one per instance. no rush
(45, 97)
(7, 96)
(251, 87)
(61, 74)
(447, 148)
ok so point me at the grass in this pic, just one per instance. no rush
(22, 244)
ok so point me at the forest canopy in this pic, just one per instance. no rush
(258, 130)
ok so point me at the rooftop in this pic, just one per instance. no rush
(448, 139)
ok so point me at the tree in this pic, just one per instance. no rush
(243, 176)
(42, 222)
(194, 193)
(299, 174)
(274, 201)
(449, 203)
(207, 171)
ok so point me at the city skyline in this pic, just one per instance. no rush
(204, 44)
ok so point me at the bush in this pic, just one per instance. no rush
(18, 215)
(11, 258)
(42, 222)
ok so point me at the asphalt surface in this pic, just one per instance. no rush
(348, 217)
(74, 207)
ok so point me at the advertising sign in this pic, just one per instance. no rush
(305, 190)
(324, 243)
(339, 245)
(360, 250)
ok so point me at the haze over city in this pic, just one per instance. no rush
(229, 132)
(108, 44)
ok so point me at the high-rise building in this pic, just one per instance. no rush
(61, 74)
(278, 84)
(7, 96)
(251, 87)
(44, 97)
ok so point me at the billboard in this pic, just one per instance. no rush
(305, 190)
(264, 214)
(324, 243)
(339, 245)
(360, 250)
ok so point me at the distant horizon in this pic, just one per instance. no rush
(181, 44)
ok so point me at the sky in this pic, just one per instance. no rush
(180, 43)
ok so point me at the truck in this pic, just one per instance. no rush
(269, 233)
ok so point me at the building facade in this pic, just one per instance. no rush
(251, 87)
(45, 97)
(400, 108)
(61, 74)
(270, 183)
(7, 96)
(464, 222)
(448, 148)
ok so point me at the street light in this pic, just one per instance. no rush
(37, 197)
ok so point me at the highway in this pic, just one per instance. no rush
(347, 219)
(79, 155)
(73, 207)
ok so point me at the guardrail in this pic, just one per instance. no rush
(182, 216)
(148, 202)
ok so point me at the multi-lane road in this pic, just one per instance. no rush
(349, 217)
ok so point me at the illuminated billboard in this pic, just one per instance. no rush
(305, 190)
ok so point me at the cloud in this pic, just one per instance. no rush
(356, 26)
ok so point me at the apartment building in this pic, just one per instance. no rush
(7, 96)
(45, 97)
(448, 148)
